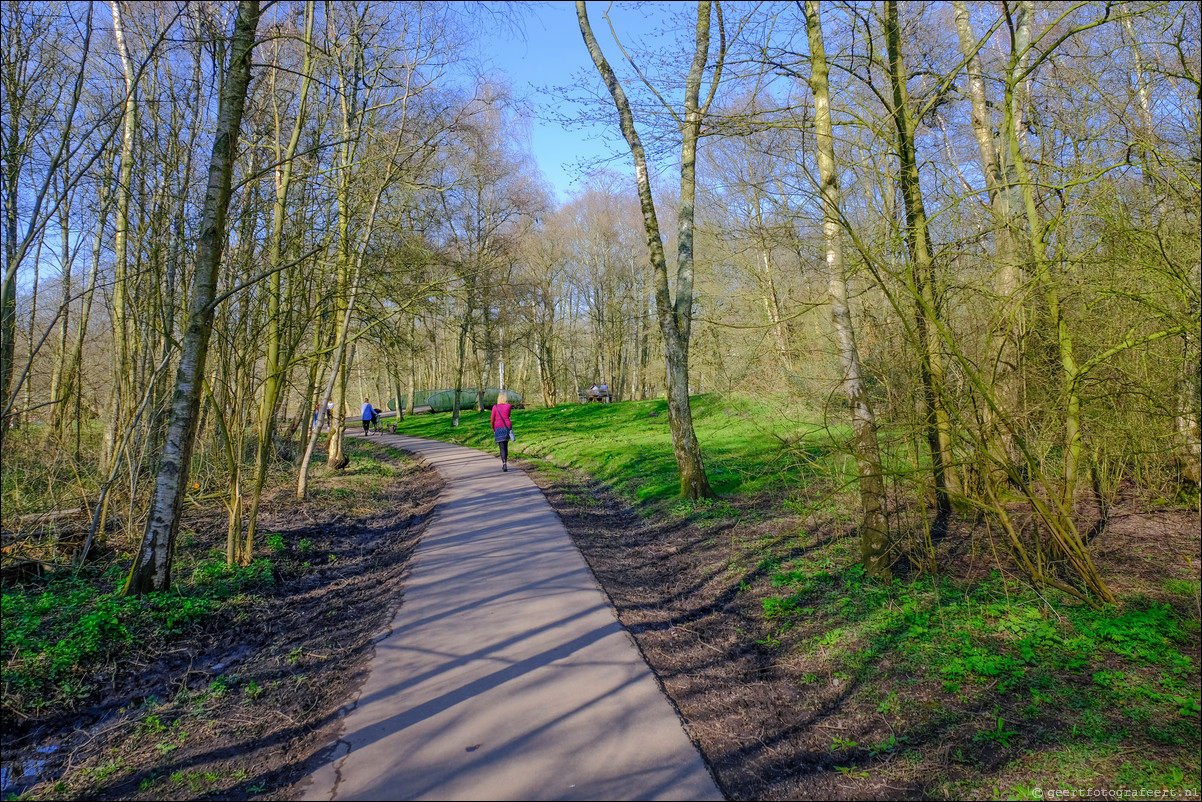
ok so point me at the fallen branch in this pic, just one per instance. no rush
(52, 515)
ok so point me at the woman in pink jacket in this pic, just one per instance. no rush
(502, 427)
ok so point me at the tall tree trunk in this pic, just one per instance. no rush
(1008, 276)
(151, 570)
(771, 300)
(1056, 512)
(73, 380)
(1017, 79)
(1185, 418)
(275, 368)
(675, 315)
(238, 370)
(874, 530)
(485, 364)
(341, 340)
(766, 278)
(175, 232)
(922, 273)
(575, 368)
(412, 400)
(349, 77)
(31, 332)
(114, 419)
(394, 375)
(461, 358)
(545, 351)
(644, 336)
(336, 388)
(57, 398)
(337, 420)
(15, 65)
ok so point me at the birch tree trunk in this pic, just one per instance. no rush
(874, 530)
(151, 570)
(121, 368)
(675, 314)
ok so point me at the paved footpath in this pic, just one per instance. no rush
(506, 674)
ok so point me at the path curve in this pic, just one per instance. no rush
(506, 674)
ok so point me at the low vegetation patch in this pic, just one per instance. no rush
(226, 685)
(60, 637)
(799, 676)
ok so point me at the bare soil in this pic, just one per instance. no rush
(767, 715)
(242, 706)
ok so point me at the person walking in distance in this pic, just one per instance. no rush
(502, 427)
(369, 413)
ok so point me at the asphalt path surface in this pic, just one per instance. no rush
(506, 674)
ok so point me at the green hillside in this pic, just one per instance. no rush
(749, 446)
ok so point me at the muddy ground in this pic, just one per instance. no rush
(765, 714)
(243, 708)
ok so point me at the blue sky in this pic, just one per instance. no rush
(549, 52)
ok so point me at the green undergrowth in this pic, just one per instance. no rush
(1020, 690)
(62, 631)
(965, 689)
(42, 474)
(57, 635)
(748, 445)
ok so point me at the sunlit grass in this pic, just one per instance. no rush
(748, 446)
(1028, 686)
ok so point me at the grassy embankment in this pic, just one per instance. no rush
(1031, 689)
(750, 447)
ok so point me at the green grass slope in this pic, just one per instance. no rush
(968, 684)
(748, 445)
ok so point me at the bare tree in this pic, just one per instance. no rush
(1008, 280)
(276, 364)
(922, 272)
(874, 530)
(45, 146)
(675, 314)
(151, 570)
